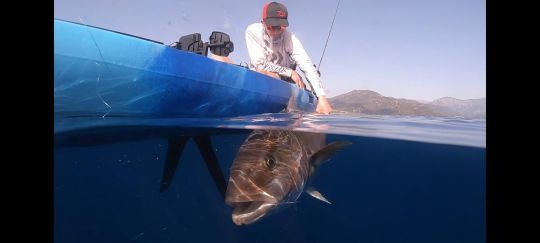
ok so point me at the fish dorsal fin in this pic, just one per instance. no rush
(316, 194)
(321, 156)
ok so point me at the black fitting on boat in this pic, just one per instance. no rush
(220, 44)
(192, 43)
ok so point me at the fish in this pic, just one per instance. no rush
(271, 170)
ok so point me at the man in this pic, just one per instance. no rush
(275, 51)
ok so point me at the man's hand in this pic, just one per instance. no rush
(271, 74)
(220, 58)
(323, 106)
(297, 79)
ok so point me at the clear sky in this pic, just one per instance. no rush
(413, 49)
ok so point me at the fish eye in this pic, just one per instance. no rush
(269, 162)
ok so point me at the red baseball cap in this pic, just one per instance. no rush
(275, 14)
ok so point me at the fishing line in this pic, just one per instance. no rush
(327, 38)
(103, 61)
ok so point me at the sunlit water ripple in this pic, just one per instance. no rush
(453, 131)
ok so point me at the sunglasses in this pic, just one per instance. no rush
(268, 27)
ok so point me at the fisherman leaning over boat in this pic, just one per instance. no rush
(275, 51)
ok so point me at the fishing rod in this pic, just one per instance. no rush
(327, 38)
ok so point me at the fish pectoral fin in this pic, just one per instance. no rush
(324, 154)
(316, 194)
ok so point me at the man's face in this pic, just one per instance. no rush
(274, 31)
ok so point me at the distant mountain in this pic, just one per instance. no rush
(370, 102)
(424, 101)
(472, 108)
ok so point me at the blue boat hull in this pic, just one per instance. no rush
(100, 73)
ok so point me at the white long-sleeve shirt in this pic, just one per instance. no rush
(280, 55)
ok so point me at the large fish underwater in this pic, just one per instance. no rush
(271, 170)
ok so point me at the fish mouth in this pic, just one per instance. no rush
(245, 213)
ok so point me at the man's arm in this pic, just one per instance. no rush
(303, 61)
(300, 56)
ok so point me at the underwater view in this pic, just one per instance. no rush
(190, 121)
(283, 177)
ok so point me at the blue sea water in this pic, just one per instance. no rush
(403, 179)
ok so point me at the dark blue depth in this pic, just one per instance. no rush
(382, 191)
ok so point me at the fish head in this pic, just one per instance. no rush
(266, 171)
